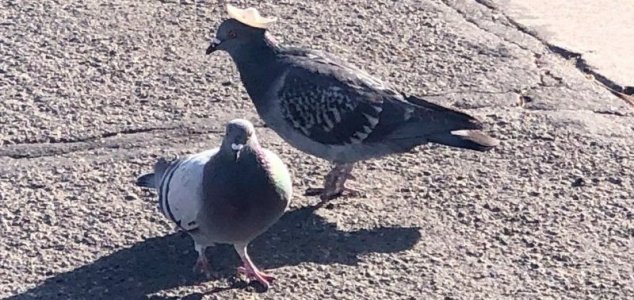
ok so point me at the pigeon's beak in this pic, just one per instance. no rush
(236, 149)
(213, 46)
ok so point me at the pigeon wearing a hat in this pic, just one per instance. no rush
(330, 108)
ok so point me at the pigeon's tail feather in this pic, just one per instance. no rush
(467, 139)
(451, 127)
(151, 180)
(448, 117)
(146, 180)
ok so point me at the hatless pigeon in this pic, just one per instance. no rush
(329, 108)
(229, 194)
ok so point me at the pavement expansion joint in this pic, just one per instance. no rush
(624, 92)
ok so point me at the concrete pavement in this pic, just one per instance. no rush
(600, 31)
(92, 92)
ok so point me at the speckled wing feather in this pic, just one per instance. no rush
(335, 103)
(331, 101)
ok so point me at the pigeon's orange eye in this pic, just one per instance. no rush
(232, 34)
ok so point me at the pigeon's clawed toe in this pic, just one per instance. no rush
(202, 263)
(334, 184)
(249, 269)
(263, 278)
(347, 192)
(202, 266)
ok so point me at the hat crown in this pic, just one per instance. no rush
(249, 16)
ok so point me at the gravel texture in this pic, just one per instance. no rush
(93, 91)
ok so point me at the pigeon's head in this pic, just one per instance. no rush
(239, 133)
(244, 27)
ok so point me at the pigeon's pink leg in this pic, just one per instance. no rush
(202, 264)
(334, 184)
(249, 269)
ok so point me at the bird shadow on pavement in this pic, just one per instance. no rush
(166, 262)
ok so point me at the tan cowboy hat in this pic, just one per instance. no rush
(249, 16)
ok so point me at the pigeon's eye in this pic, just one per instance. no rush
(232, 34)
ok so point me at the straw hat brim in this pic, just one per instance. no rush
(249, 16)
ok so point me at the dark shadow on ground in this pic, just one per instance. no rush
(166, 262)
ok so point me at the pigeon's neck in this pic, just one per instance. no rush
(257, 64)
(247, 155)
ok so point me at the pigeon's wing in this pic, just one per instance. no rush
(180, 190)
(333, 102)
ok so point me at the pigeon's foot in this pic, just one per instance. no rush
(334, 185)
(202, 266)
(252, 272)
(343, 192)
(249, 269)
(325, 195)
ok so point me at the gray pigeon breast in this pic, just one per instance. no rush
(241, 199)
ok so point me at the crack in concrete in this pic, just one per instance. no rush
(521, 93)
(108, 140)
(580, 63)
(623, 92)
(66, 140)
(56, 152)
(471, 92)
(476, 24)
